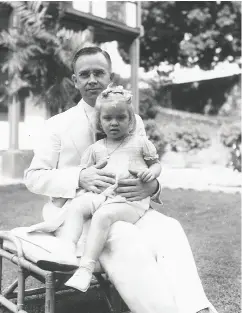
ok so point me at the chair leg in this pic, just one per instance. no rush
(21, 288)
(50, 293)
(1, 265)
(105, 291)
(10, 289)
(116, 300)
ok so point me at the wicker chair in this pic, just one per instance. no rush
(12, 249)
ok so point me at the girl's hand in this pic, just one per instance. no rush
(146, 175)
(133, 189)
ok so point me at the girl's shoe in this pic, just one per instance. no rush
(81, 280)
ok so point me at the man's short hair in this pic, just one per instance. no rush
(90, 51)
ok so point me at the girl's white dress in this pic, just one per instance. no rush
(130, 155)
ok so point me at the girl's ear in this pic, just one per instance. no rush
(111, 76)
(132, 122)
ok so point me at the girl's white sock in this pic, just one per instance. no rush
(87, 263)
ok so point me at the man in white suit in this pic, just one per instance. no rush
(150, 263)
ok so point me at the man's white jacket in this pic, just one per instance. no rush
(54, 170)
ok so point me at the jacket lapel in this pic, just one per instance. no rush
(80, 133)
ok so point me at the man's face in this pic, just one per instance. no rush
(115, 120)
(92, 74)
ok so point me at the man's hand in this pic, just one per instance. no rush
(95, 178)
(134, 189)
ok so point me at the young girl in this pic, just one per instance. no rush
(125, 151)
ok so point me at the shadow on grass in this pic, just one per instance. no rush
(66, 303)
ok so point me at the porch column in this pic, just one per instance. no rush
(14, 104)
(134, 54)
(13, 122)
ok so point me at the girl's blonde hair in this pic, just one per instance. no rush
(114, 94)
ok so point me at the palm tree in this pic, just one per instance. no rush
(39, 53)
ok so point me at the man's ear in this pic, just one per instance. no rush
(73, 77)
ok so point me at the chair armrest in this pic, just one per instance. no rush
(6, 235)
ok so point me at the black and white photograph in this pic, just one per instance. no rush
(120, 156)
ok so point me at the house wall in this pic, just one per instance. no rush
(32, 119)
(209, 96)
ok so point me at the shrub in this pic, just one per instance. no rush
(235, 157)
(155, 136)
(148, 108)
(179, 138)
(230, 134)
(119, 80)
(185, 139)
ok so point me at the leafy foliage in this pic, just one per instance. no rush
(155, 136)
(232, 105)
(177, 138)
(39, 52)
(148, 110)
(230, 134)
(148, 104)
(184, 139)
(235, 157)
(189, 32)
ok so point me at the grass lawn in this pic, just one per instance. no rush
(211, 222)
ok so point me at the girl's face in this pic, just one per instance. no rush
(115, 120)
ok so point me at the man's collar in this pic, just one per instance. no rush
(86, 106)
